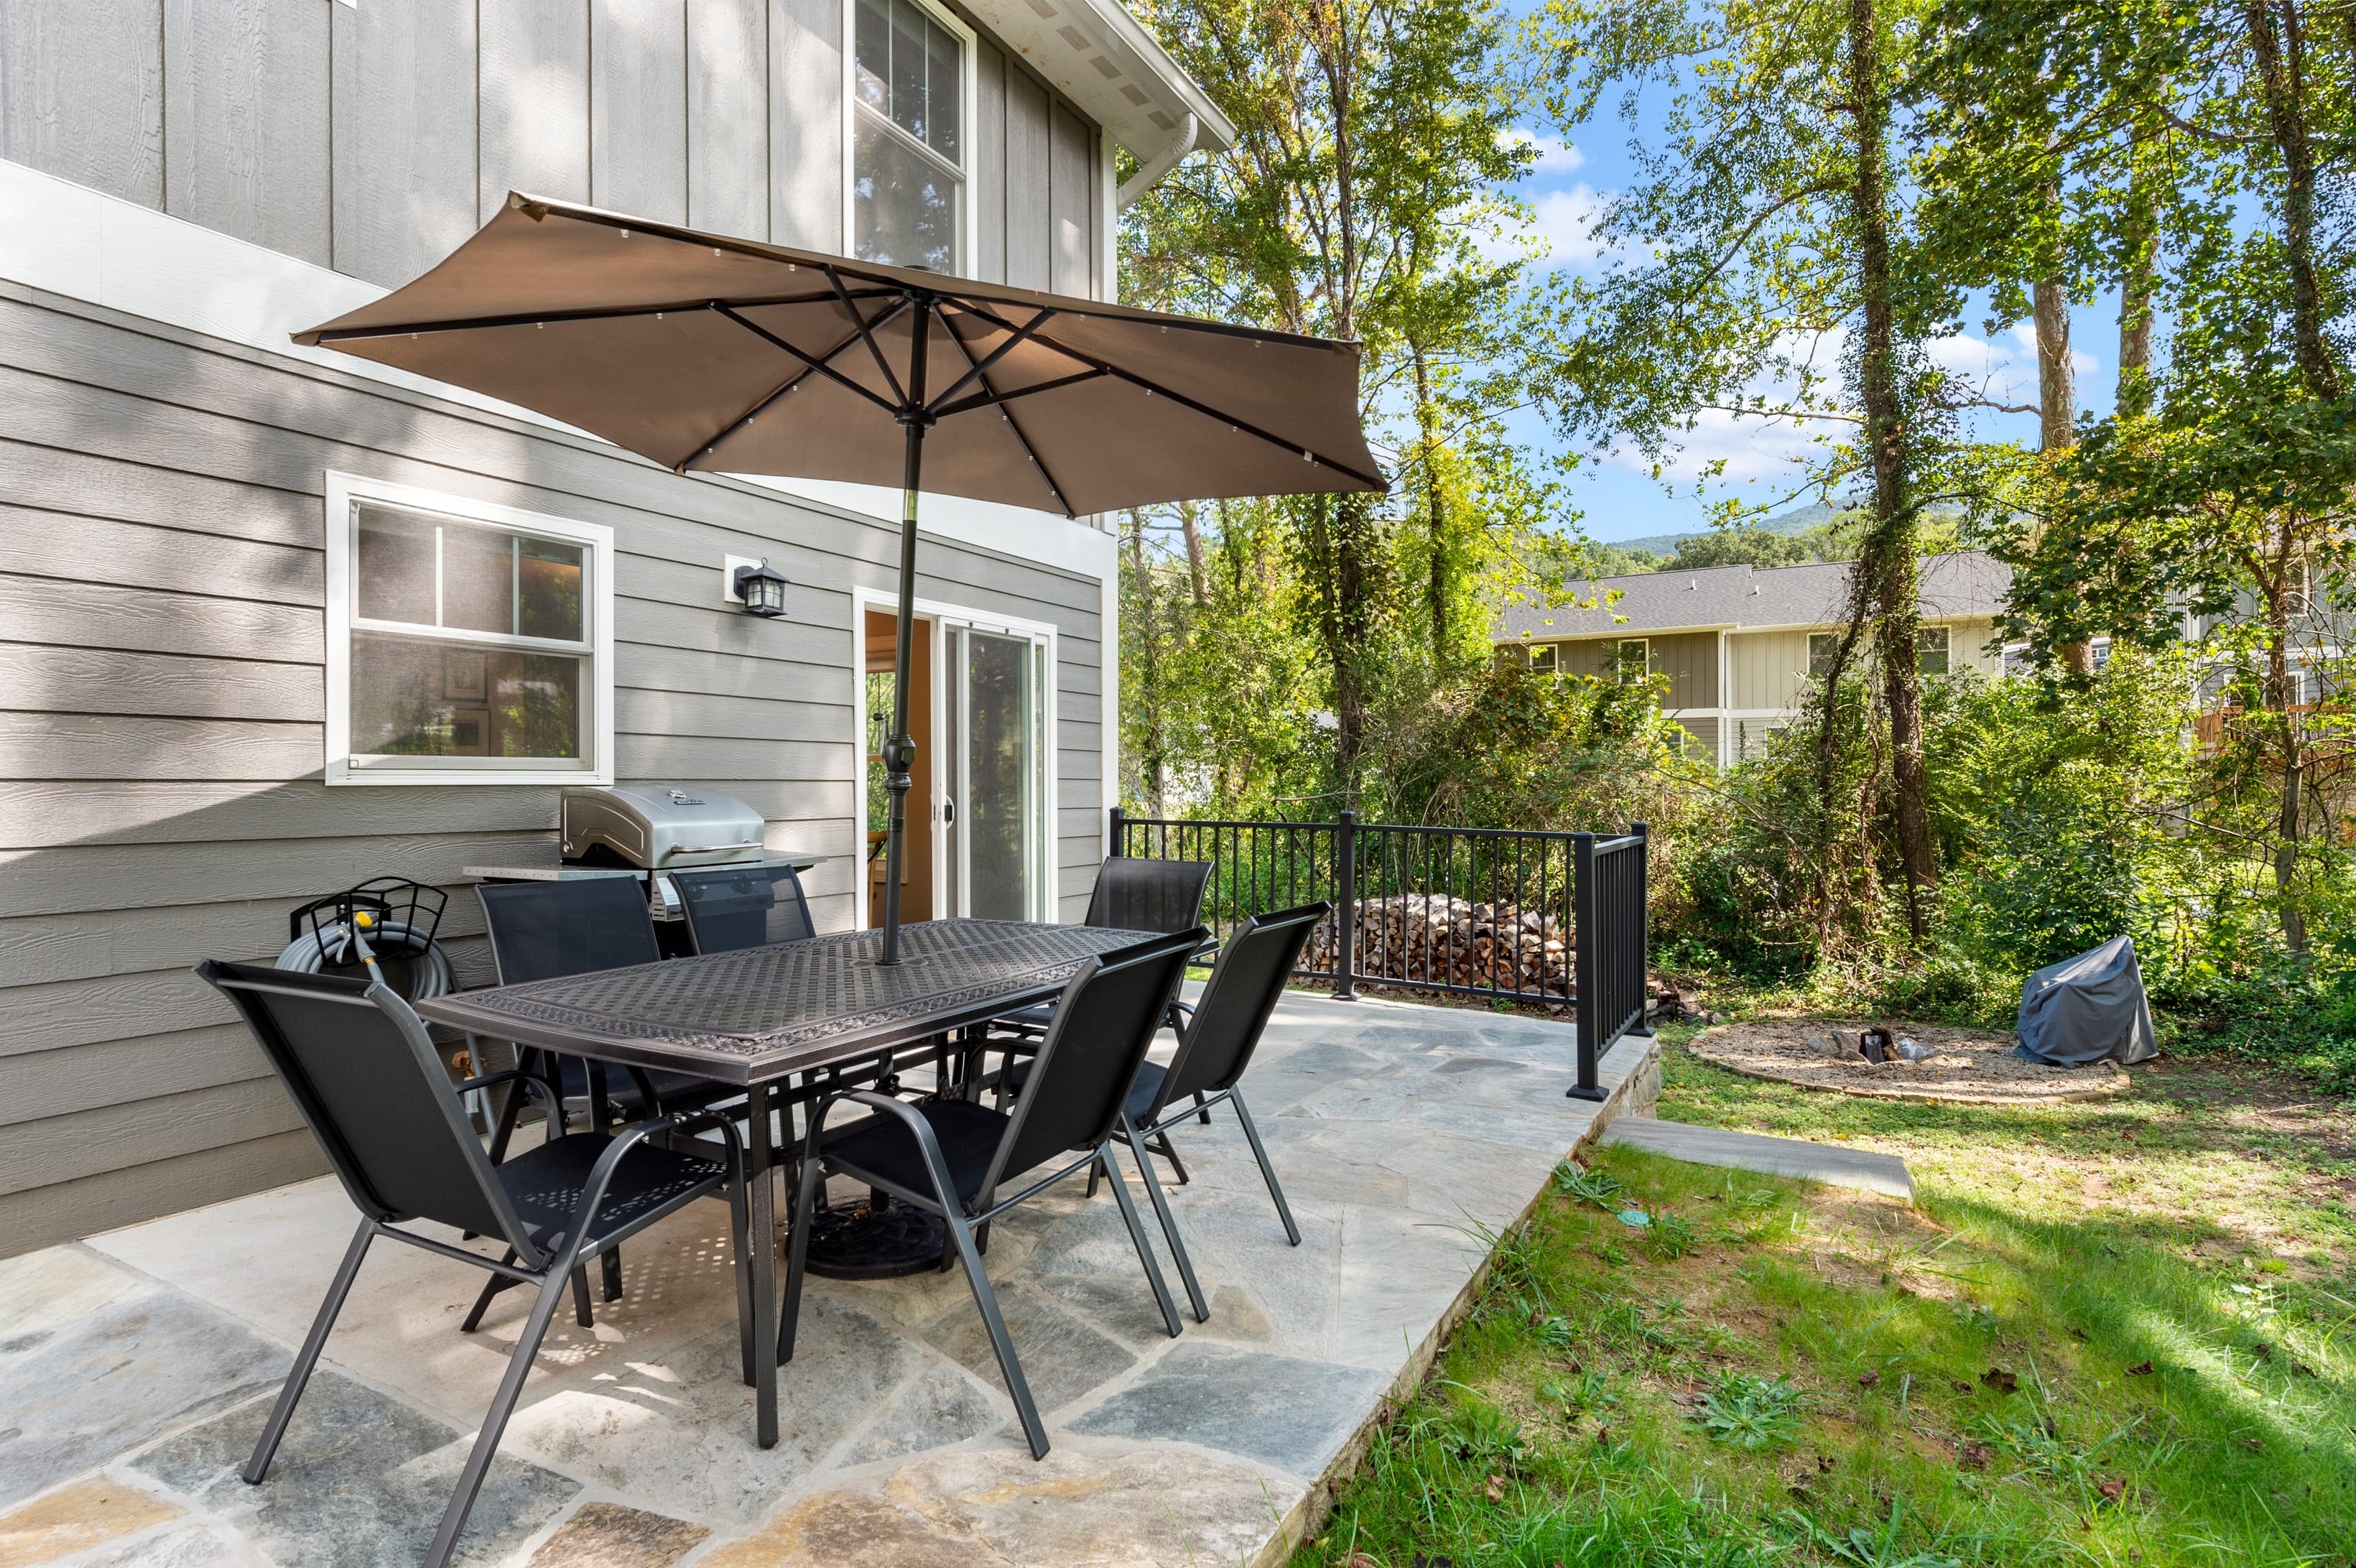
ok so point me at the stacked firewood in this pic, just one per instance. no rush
(1442, 941)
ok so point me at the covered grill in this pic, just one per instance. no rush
(647, 827)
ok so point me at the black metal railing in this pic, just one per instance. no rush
(1549, 919)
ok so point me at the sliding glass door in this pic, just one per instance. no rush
(997, 758)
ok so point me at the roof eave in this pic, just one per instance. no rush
(1115, 54)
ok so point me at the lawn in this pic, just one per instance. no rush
(2107, 1333)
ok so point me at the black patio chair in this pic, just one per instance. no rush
(733, 906)
(1213, 1048)
(371, 1087)
(952, 1158)
(1131, 896)
(543, 930)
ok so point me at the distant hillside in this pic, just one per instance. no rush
(1799, 520)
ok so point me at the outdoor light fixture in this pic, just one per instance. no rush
(757, 585)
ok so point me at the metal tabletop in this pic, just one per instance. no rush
(760, 1014)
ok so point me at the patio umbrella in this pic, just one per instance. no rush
(701, 351)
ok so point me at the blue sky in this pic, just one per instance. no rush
(1620, 499)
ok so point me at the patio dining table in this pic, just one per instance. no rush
(760, 1016)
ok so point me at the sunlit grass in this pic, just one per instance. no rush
(2122, 1333)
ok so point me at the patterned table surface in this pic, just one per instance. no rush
(762, 1012)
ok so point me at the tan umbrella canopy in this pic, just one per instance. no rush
(701, 351)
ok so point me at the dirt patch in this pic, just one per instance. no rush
(1973, 1067)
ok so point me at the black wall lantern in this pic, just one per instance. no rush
(763, 589)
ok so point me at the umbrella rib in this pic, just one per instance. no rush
(990, 399)
(1032, 452)
(1158, 390)
(535, 318)
(821, 366)
(1016, 338)
(1232, 421)
(789, 384)
(860, 319)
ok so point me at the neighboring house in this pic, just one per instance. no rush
(196, 733)
(1738, 645)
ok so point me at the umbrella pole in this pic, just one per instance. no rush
(900, 751)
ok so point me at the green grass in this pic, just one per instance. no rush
(2121, 1332)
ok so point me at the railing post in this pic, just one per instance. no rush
(1345, 909)
(1120, 834)
(1644, 901)
(1589, 966)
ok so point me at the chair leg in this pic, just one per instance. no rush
(491, 1287)
(1137, 1236)
(1169, 1150)
(308, 1357)
(1169, 1221)
(581, 1313)
(612, 1260)
(511, 1109)
(797, 1254)
(1202, 1108)
(1267, 1170)
(495, 1421)
(1033, 1430)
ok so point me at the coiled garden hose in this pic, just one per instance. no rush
(430, 972)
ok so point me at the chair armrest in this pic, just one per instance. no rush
(926, 1143)
(600, 1175)
(532, 1075)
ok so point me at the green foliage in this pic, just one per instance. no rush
(1743, 1409)
(1739, 547)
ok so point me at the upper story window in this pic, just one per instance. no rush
(1542, 658)
(907, 135)
(467, 643)
(1631, 661)
(1931, 649)
(1822, 648)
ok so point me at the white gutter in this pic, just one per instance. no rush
(1153, 170)
(1098, 56)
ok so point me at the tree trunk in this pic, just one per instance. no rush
(2282, 698)
(2141, 237)
(1189, 522)
(1439, 587)
(2057, 391)
(1887, 560)
(2281, 61)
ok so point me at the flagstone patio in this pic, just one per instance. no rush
(135, 1366)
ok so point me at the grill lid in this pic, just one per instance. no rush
(659, 828)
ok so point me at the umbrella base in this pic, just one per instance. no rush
(874, 1239)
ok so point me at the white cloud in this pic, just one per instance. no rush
(1565, 224)
(1555, 155)
(2025, 334)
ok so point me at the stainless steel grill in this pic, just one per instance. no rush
(656, 829)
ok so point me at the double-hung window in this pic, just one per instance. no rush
(1931, 649)
(467, 643)
(907, 135)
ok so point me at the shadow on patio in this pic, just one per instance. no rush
(138, 1364)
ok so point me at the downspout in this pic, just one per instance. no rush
(1153, 170)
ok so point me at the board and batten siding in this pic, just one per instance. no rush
(373, 138)
(162, 704)
(1688, 659)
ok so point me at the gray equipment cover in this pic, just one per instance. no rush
(2087, 1009)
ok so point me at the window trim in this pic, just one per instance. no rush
(339, 766)
(1620, 662)
(969, 85)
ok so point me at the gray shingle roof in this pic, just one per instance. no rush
(1969, 583)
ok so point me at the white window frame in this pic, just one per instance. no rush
(1946, 636)
(597, 766)
(1044, 637)
(1620, 660)
(969, 84)
(1551, 664)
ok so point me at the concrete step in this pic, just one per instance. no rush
(1756, 1151)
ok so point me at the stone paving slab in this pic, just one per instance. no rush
(1826, 1163)
(1399, 1131)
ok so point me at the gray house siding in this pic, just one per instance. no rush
(373, 138)
(162, 638)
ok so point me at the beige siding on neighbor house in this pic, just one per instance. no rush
(373, 138)
(162, 704)
(1770, 669)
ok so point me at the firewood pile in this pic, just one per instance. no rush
(1441, 940)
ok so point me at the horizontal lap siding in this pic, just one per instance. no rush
(162, 704)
